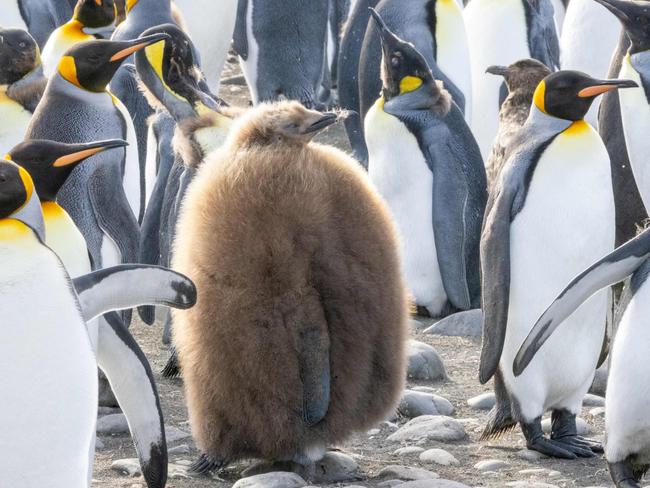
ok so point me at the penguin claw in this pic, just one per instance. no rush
(205, 465)
(595, 446)
(577, 448)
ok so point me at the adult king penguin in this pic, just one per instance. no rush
(39, 17)
(627, 427)
(550, 216)
(76, 108)
(87, 21)
(46, 344)
(501, 33)
(426, 164)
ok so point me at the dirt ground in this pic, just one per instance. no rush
(372, 452)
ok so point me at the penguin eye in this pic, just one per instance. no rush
(22, 44)
(395, 62)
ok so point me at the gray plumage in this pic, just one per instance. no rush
(542, 35)
(43, 16)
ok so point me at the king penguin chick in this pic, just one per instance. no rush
(521, 77)
(88, 19)
(293, 238)
(550, 216)
(427, 165)
(21, 84)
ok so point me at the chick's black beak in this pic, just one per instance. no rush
(497, 70)
(327, 119)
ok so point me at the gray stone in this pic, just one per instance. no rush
(99, 445)
(598, 412)
(430, 428)
(272, 480)
(174, 434)
(418, 324)
(415, 404)
(424, 363)
(101, 411)
(336, 467)
(179, 450)
(462, 324)
(484, 401)
(530, 455)
(582, 427)
(438, 456)
(529, 484)
(593, 401)
(112, 424)
(127, 467)
(390, 483)
(599, 385)
(491, 465)
(408, 451)
(534, 472)
(405, 473)
(439, 483)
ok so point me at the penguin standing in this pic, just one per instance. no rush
(38, 17)
(77, 108)
(426, 164)
(46, 344)
(21, 84)
(521, 78)
(501, 33)
(550, 215)
(627, 448)
(88, 19)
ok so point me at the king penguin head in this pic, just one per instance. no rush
(91, 65)
(50, 163)
(569, 94)
(635, 17)
(19, 55)
(408, 83)
(19, 199)
(95, 13)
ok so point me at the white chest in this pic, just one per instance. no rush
(15, 120)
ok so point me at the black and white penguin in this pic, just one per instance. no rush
(38, 17)
(550, 216)
(21, 84)
(56, 363)
(425, 162)
(628, 443)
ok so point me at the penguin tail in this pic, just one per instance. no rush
(499, 422)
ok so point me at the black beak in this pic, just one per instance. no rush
(497, 70)
(327, 119)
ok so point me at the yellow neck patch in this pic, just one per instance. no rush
(68, 70)
(73, 30)
(155, 55)
(409, 84)
(540, 94)
(52, 210)
(578, 127)
(130, 4)
(11, 230)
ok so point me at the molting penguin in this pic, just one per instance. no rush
(118, 355)
(87, 20)
(427, 165)
(522, 78)
(501, 33)
(302, 286)
(628, 443)
(278, 59)
(550, 215)
(46, 344)
(21, 84)
(77, 108)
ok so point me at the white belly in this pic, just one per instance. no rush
(401, 175)
(453, 49)
(582, 50)
(131, 181)
(628, 389)
(49, 379)
(559, 12)
(496, 30)
(15, 120)
(635, 113)
(567, 223)
(62, 39)
(249, 66)
(151, 164)
(11, 15)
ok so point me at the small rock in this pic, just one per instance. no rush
(598, 412)
(530, 455)
(529, 484)
(127, 467)
(415, 404)
(462, 324)
(392, 426)
(272, 480)
(417, 324)
(101, 411)
(430, 428)
(174, 434)
(390, 483)
(99, 445)
(438, 456)
(593, 401)
(424, 363)
(408, 451)
(439, 483)
(405, 473)
(179, 450)
(599, 385)
(373, 432)
(485, 401)
(336, 467)
(491, 465)
(112, 424)
(582, 427)
(533, 472)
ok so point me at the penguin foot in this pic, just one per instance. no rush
(172, 369)
(536, 441)
(564, 431)
(206, 465)
(622, 474)
(595, 446)
(576, 446)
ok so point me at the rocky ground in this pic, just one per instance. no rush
(433, 438)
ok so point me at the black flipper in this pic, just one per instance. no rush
(240, 37)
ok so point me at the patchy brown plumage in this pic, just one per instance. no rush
(290, 248)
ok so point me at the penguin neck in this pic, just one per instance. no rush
(142, 7)
(542, 121)
(14, 232)
(59, 84)
(73, 29)
(52, 210)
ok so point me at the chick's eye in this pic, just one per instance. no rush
(395, 62)
(22, 44)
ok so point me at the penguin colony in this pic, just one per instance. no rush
(498, 162)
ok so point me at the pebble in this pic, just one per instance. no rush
(107, 410)
(593, 401)
(599, 385)
(416, 403)
(439, 483)
(127, 467)
(406, 473)
(424, 363)
(179, 450)
(272, 480)
(597, 412)
(438, 456)
(114, 423)
(430, 428)
(529, 484)
(530, 455)
(99, 445)
(373, 432)
(491, 465)
(485, 401)
(582, 427)
(408, 451)
(336, 467)
(390, 483)
(418, 324)
(462, 324)
(174, 434)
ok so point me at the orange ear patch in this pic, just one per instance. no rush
(592, 91)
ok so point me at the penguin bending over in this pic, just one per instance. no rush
(88, 19)
(425, 162)
(550, 215)
(302, 284)
(21, 84)
(46, 344)
(521, 78)
(628, 444)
